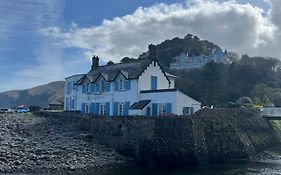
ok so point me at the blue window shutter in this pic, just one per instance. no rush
(107, 108)
(154, 109)
(153, 83)
(107, 86)
(83, 88)
(116, 86)
(128, 84)
(92, 108)
(127, 105)
(115, 108)
(96, 108)
(169, 108)
(97, 87)
(83, 107)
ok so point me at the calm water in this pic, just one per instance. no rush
(234, 168)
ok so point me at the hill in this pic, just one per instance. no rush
(37, 96)
(218, 84)
(189, 52)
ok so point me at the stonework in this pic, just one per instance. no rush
(208, 136)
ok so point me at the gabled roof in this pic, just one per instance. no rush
(140, 104)
(128, 70)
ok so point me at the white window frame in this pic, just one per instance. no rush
(72, 104)
(88, 88)
(87, 108)
(121, 109)
(102, 86)
(162, 109)
(121, 84)
(102, 109)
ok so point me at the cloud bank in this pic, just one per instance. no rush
(243, 28)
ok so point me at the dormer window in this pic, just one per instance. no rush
(121, 84)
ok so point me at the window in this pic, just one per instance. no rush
(88, 87)
(162, 109)
(103, 87)
(121, 84)
(153, 83)
(72, 103)
(121, 109)
(102, 109)
(188, 110)
(87, 109)
(68, 88)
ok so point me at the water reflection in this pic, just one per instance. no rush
(233, 168)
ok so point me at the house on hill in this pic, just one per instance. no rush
(139, 88)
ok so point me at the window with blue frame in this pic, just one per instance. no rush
(161, 109)
(72, 103)
(121, 84)
(102, 109)
(102, 85)
(153, 82)
(121, 109)
(68, 89)
(88, 87)
(87, 108)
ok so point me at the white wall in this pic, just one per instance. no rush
(73, 92)
(177, 98)
(145, 78)
(161, 97)
(186, 101)
(112, 96)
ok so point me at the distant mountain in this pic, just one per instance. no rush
(37, 96)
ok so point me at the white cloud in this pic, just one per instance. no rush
(241, 28)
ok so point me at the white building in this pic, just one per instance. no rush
(139, 88)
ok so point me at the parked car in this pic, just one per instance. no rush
(22, 110)
(6, 110)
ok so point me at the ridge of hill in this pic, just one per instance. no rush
(37, 96)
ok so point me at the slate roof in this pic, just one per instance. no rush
(140, 104)
(110, 72)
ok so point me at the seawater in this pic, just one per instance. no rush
(231, 168)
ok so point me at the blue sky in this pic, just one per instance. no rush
(44, 41)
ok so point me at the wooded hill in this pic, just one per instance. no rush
(219, 84)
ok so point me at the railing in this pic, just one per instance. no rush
(272, 112)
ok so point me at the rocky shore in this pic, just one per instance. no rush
(30, 144)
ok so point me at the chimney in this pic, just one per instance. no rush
(95, 62)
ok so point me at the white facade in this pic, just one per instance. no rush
(151, 92)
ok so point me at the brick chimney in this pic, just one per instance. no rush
(95, 62)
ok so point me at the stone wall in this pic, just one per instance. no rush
(210, 135)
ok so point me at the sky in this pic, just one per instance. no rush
(47, 40)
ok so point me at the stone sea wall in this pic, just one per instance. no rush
(210, 135)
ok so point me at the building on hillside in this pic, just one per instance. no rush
(185, 61)
(139, 88)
